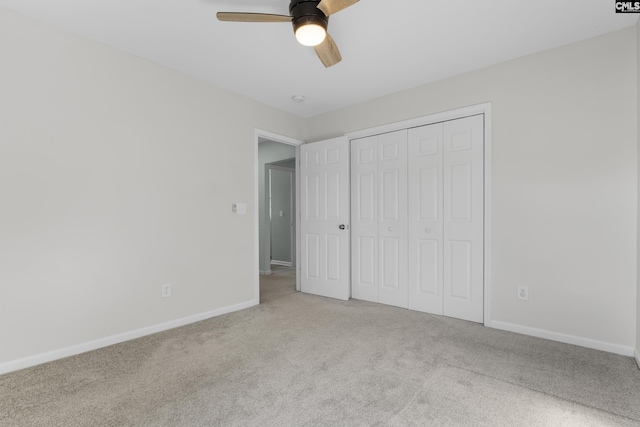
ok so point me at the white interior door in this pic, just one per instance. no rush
(464, 218)
(426, 219)
(324, 225)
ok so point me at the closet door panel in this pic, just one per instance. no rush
(425, 189)
(464, 218)
(364, 223)
(392, 224)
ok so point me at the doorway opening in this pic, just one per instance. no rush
(276, 222)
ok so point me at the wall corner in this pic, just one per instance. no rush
(637, 352)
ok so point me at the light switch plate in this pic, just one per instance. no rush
(239, 208)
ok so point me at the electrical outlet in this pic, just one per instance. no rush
(166, 290)
(523, 293)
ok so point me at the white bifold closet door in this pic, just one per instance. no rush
(446, 218)
(417, 218)
(379, 219)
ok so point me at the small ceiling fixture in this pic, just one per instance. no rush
(297, 99)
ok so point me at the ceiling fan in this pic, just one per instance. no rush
(309, 18)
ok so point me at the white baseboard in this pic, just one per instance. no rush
(568, 339)
(638, 357)
(265, 272)
(50, 356)
(282, 263)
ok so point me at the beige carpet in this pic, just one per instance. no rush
(301, 360)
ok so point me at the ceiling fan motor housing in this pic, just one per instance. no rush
(306, 12)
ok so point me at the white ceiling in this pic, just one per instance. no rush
(386, 45)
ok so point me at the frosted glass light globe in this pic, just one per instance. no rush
(310, 35)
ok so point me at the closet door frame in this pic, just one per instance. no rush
(473, 110)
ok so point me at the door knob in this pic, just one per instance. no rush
(426, 230)
(342, 226)
(390, 229)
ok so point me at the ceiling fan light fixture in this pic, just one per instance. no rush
(310, 19)
(310, 34)
(309, 23)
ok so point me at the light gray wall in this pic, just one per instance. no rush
(281, 187)
(117, 176)
(288, 163)
(268, 152)
(564, 180)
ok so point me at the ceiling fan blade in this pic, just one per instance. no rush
(251, 17)
(329, 7)
(328, 52)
